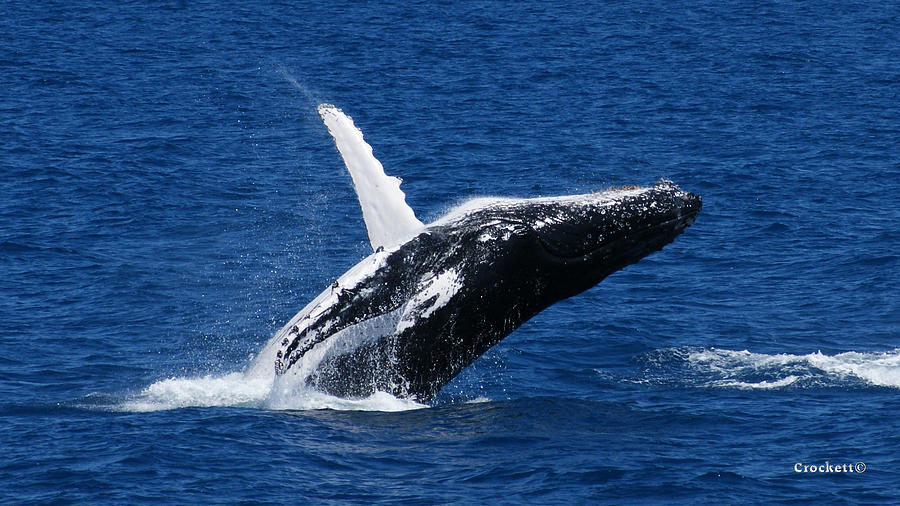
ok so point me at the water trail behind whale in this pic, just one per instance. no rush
(296, 84)
(746, 370)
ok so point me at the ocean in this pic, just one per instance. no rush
(170, 199)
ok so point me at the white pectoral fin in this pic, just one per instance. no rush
(388, 218)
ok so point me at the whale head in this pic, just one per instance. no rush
(585, 238)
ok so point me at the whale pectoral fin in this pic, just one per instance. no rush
(389, 220)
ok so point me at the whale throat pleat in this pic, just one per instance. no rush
(389, 220)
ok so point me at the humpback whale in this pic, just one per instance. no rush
(432, 298)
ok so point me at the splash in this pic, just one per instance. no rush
(248, 391)
(388, 220)
(297, 85)
(233, 389)
(712, 367)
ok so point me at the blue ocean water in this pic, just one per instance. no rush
(170, 198)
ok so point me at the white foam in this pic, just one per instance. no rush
(733, 367)
(233, 389)
(882, 369)
(242, 390)
(311, 399)
(764, 385)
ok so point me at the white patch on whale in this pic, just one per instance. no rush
(433, 293)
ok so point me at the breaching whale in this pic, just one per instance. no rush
(432, 298)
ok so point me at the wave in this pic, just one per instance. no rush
(712, 367)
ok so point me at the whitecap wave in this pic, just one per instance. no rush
(713, 367)
(875, 368)
(764, 384)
